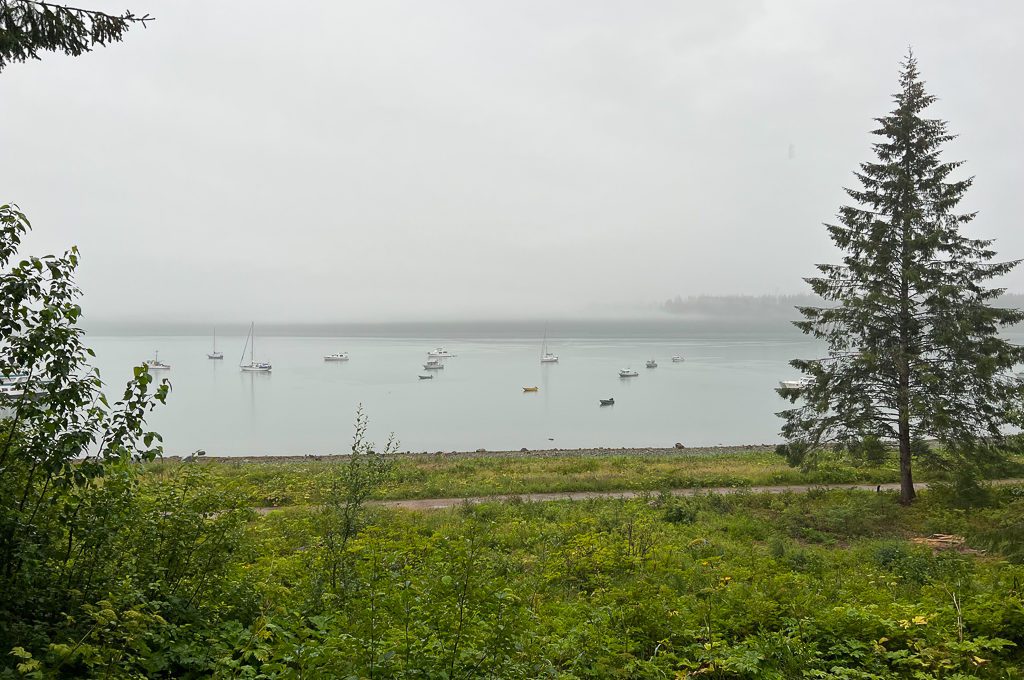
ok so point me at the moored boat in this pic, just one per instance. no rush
(531, 389)
(440, 352)
(651, 363)
(547, 357)
(256, 367)
(253, 366)
(628, 373)
(429, 376)
(433, 364)
(608, 402)
(19, 384)
(337, 356)
(676, 359)
(214, 354)
(155, 364)
(800, 384)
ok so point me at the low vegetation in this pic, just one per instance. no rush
(822, 584)
(302, 481)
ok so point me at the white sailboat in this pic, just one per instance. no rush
(253, 366)
(215, 354)
(547, 357)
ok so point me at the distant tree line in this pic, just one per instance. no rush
(771, 306)
(766, 306)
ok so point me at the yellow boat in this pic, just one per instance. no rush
(530, 389)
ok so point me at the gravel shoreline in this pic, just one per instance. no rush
(540, 453)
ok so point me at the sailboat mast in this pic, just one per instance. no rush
(245, 346)
(252, 347)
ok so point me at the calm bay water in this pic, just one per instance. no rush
(722, 394)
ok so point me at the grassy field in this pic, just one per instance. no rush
(825, 585)
(822, 584)
(301, 481)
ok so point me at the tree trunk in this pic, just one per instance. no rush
(903, 392)
(907, 492)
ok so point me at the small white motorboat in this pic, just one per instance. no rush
(16, 385)
(337, 356)
(796, 384)
(677, 359)
(155, 364)
(651, 363)
(440, 352)
(433, 364)
(628, 373)
(19, 391)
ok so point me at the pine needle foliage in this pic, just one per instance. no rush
(912, 331)
(28, 27)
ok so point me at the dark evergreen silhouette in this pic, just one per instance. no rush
(28, 27)
(914, 351)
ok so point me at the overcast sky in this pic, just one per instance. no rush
(328, 160)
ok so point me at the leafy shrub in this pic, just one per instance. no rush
(680, 511)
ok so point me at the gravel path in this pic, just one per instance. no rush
(441, 503)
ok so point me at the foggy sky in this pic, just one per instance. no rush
(330, 160)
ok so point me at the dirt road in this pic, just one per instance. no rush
(441, 503)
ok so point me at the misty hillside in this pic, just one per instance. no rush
(767, 307)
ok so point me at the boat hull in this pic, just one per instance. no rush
(793, 384)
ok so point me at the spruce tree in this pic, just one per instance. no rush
(28, 27)
(914, 351)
